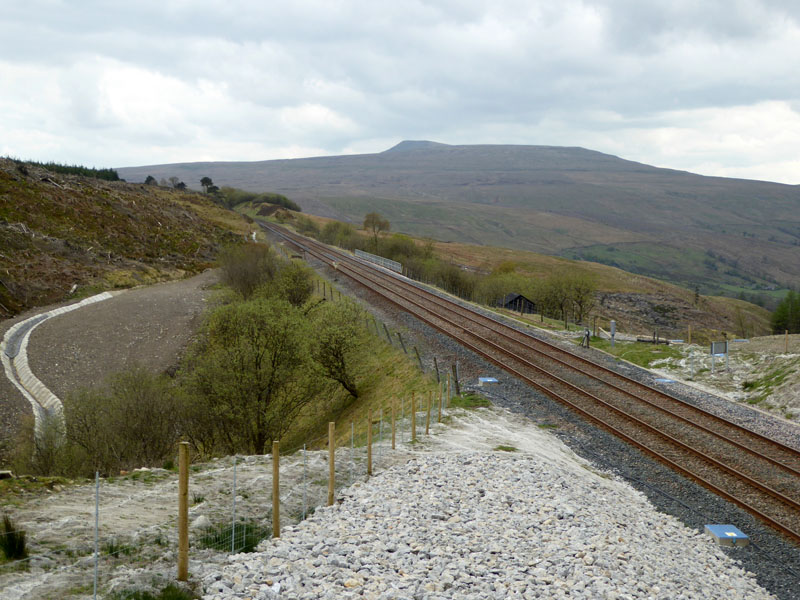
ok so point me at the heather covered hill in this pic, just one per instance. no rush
(65, 236)
(724, 235)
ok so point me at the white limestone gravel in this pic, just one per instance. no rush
(536, 523)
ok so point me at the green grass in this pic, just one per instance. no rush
(504, 448)
(469, 401)
(639, 353)
(114, 548)
(765, 385)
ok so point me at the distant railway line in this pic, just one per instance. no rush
(747, 468)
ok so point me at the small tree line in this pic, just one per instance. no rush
(563, 294)
(54, 167)
(268, 349)
(787, 314)
(227, 196)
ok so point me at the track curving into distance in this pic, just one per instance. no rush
(747, 468)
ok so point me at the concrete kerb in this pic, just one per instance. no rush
(13, 353)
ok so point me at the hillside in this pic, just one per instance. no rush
(639, 304)
(65, 236)
(724, 235)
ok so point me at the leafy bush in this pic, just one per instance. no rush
(230, 197)
(244, 268)
(294, 283)
(249, 374)
(134, 420)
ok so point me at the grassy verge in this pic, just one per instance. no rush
(638, 353)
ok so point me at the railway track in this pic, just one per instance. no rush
(747, 468)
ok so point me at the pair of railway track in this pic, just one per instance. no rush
(749, 469)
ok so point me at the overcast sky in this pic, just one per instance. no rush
(707, 86)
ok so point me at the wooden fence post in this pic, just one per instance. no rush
(394, 411)
(183, 511)
(413, 417)
(439, 419)
(436, 367)
(419, 359)
(276, 490)
(369, 442)
(402, 344)
(455, 379)
(331, 463)
(388, 335)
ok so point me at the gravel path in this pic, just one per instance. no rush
(148, 326)
(485, 526)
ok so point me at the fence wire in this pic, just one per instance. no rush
(230, 507)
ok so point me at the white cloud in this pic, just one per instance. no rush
(701, 86)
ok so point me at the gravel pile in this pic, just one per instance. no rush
(486, 525)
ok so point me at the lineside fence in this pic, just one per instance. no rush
(299, 483)
(228, 505)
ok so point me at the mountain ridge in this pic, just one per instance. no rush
(721, 234)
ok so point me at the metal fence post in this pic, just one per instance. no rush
(233, 515)
(183, 511)
(276, 490)
(380, 436)
(96, 526)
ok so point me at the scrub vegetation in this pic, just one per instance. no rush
(272, 361)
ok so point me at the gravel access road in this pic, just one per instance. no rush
(148, 326)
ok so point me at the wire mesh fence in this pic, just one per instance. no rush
(230, 504)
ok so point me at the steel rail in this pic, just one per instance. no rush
(476, 318)
(366, 280)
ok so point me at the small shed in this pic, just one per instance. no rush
(518, 303)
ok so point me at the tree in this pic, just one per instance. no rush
(206, 182)
(582, 290)
(245, 268)
(132, 422)
(180, 186)
(338, 333)
(787, 314)
(174, 181)
(294, 283)
(250, 373)
(375, 223)
(150, 180)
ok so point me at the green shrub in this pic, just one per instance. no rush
(247, 536)
(12, 541)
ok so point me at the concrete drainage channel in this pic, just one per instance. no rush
(13, 353)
